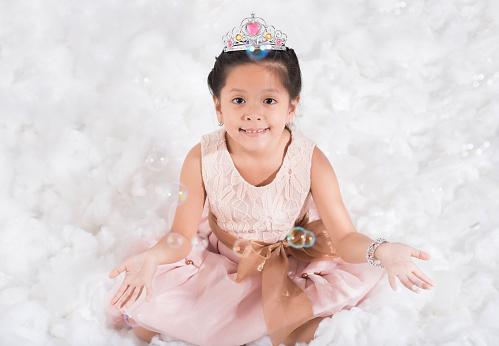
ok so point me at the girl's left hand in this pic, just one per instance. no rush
(396, 258)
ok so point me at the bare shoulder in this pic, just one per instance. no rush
(188, 214)
(195, 153)
(324, 183)
(320, 164)
(327, 197)
(192, 160)
(191, 173)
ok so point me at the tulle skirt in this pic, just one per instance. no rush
(198, 300)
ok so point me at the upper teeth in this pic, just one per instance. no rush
(255, 131)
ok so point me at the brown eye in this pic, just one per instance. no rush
(238, 101)
(269, 101)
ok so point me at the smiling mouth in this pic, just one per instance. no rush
(254, 131)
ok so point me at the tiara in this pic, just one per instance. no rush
(253, 33)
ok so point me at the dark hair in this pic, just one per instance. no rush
(283, 63)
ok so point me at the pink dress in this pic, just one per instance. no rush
(198, 300)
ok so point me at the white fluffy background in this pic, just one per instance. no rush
(402, 96)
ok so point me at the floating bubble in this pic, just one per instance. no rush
(130, 323)
(156, 160)
(296, 238)
(257, 53)
(309, 239)
(176, 193)
(174, 240)
(242, 247)
(160, 102)
(141, 80)
(200, 240)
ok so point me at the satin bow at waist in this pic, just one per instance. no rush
(286, 307)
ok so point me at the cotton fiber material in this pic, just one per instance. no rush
(401, 97)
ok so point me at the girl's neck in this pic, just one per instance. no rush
(271, 150)
(261, 168)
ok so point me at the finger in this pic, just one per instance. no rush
(148, 292)
(119, 294)
(420, 254)
(133, 297)
(421, 276)
(117, 271)
(126, 297)
(393, 284)
(408, 284)
(415, 283)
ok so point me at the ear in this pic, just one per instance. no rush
(218, 109)
(292, 109)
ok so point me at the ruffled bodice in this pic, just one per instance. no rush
(265, 213)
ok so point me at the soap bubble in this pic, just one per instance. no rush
(242, 247)
(176, 193)
(300, 237)
(200, 240)
(156, 160)
(257, 53)
(309, 239)
(174, 240)
(160, 102)
(141, 80)
(130, 323)
(159, 190)
(296, 238)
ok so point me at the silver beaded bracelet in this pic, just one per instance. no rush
(370, 252)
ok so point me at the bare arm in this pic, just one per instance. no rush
(188, 214)
(350, 245)
(141, 268)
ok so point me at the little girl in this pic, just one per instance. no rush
(266, 269)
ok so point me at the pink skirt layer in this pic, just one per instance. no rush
(202, 304)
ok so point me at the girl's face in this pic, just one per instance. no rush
(254, 107)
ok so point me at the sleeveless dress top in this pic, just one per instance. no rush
(266, 213)
(199, 299)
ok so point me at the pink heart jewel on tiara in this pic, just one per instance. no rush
(253, 28)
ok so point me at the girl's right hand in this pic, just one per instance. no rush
(139, 270)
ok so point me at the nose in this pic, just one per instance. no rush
(253, 113)
(250, 117)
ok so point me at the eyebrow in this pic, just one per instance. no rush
(266, 90)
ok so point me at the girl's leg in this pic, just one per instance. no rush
(144, 334)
